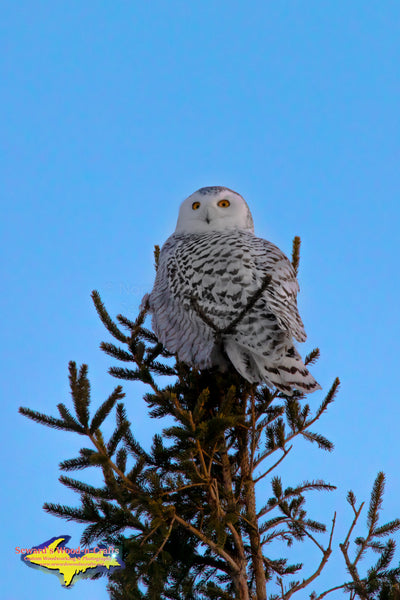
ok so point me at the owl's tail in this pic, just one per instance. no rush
(285, 373)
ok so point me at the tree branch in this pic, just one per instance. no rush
(325, 557)
(212, 545)
(338, 587)
(285, 453)
(230, 328)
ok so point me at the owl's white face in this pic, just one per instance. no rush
(214, 209)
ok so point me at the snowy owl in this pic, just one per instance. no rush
(222, 295)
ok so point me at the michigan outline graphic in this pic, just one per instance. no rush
(69, 564)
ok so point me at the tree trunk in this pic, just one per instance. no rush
(255, 542)
(240, 582)
(254, 535)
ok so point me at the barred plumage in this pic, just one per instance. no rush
(210, 270)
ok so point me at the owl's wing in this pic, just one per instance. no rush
(281, 293)
(178, 327)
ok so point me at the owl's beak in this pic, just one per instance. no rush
(207, 219)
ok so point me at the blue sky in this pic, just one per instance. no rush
(111, 114)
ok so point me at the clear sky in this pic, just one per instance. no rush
(111, 114)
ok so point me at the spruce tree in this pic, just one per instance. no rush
(185, 511)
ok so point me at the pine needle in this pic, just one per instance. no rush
(106, 319)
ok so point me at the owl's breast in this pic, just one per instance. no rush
(216, 270)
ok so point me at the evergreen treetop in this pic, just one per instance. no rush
(185, 511)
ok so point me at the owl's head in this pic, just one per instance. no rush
(214, 209)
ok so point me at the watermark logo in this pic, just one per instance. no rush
(70, 564)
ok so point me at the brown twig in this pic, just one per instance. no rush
(285, 453)
(352, 566)
(101, 450)
(164, 542)
(325, 557)
(184, 487)
(338, 587)
(230, 328)
(210, 543)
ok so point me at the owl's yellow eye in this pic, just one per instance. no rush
(196, 205)
(224, 203)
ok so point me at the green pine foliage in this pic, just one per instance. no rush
(184, 511)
